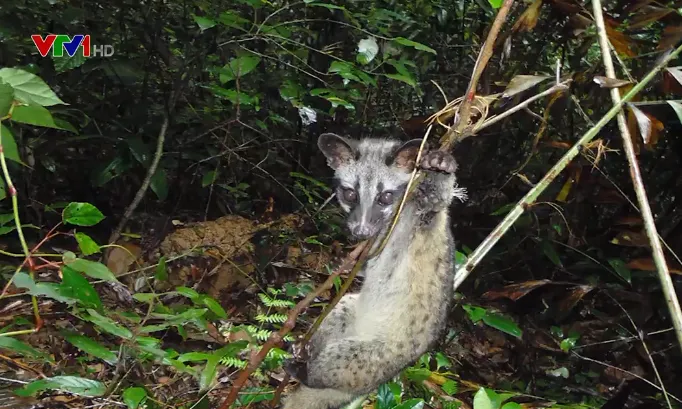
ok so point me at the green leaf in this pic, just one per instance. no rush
(92, 268)
(76, 286)
(72, 384)
(81, 214)
(450, 387)
(621, 268)
(9, 145)
(415, 403)
(159, 183)
(239, 67)
(475, 313)
(134, 396)
(414, 44)
(385, 398)
(86, 244)
(503, 324)
(34, 115)
(496, 3)
(66, 63)
(551, 253)
(325, 5)
(16, 346)
(204, 23)
(209, 178)
(187, 292)
(677, 107)
(403, 78)
(215, 307)
(92, 347)
(144, 297)
(29, 88)
(482, 400)
(367, 50)
(108, 325)
(50, 290)
(512, 405)
(161, 270)
(6, 98)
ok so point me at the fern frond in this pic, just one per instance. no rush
(230, 361)
(271, 302)
(271, 318)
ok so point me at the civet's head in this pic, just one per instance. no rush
(371, 178)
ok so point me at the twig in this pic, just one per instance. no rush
(276, 337)
(464, 112)
(640, 191)
(529, 198)
(145, 183)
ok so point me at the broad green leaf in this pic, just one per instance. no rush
(216, 308)
(239, 67)
(414, 44)
(144, 297)
(204, 23)
(34, 115)
(6, 218)
(551, 253)
(6, 98)
(92, 347)
(86, 244)
(161, 273)
(139, 150)
(134, 396)
(50, 290)
(415, 403)
(66, 63)
(187, 292)
(399, 77)
(108, 325)
(475, 313)
(9, 145)
(72, 384)
(385, 398)
(231, 19)
(482, 400)
(29, 88)
(209, 372)
(442, 361)
(81, 214)
(621, 268)
(209, 178)
(92, 268)
(677, 107)
(496, 3)
(16, 346)
(503, 324)
(159, 183)
(418, 374)
(74, 285)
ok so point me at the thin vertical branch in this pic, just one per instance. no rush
(649, 223)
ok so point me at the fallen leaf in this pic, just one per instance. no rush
(676, 72)
(574, 297)
(606, 82)
(568, 7)
(515, 291)
(120, 260)
(648, 264)
(629, 221)
(521, 83)
(670, 36)
(529, 18)
(636, 5)
(620, 41)
(649, 127)
(652, 15)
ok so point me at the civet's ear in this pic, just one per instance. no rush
(339, 151)
(405, 157)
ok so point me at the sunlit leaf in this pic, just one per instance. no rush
(81, 214)
(50, 290)
(72, 384)
(496, 5)
(367, 50)
(92, 268)
(385, 397)
(34, 115)
(521, 83)
(29, 88)
(204, 23)
(450, 387)
(86, 244)
(239, 67)
(415, 403)
(108, 325)
(503, 324)
(482, 400)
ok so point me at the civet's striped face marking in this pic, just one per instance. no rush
(371, 178)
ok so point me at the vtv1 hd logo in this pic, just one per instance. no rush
(59, 43)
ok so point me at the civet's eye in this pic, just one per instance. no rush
(386, 198)
(350, 195)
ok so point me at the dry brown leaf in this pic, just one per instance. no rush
(631, 239)
(648, 264)
(676, 72)
(670, 84)
(569, 7)
(633, 131)
(606, 82)
(574, 297)
(670, 36)
(557, 144)
(649, 127)
(620, 41)
(651, 15)
(120, 260)
(629, 221)
(521, 83)
(529, 18)
(515, 291)
(636, 5)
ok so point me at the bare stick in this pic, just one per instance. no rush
(276, 338)
(487, 244)
(649, 223)
(464, 112)
(145, 183)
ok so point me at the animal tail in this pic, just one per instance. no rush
(309, 398)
